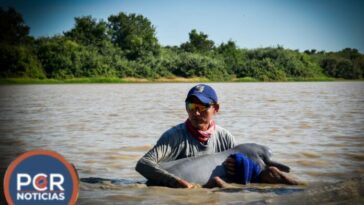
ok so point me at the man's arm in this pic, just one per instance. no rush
(148, 167)
(166, 149)
(231, 140)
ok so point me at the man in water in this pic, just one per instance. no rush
(196, 136)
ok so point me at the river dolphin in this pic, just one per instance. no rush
(201, 169)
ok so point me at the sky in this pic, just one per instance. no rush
(329, 25)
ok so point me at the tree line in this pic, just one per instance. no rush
(125, 45)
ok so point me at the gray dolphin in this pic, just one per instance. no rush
(201, 169)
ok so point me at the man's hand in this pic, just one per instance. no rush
(229, 165)
(185, 184)
(273, 175)
(216, 182)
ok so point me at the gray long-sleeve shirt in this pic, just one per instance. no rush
(177, 143)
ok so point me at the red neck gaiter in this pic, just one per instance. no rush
(201, 136)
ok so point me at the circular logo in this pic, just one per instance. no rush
(41, 177)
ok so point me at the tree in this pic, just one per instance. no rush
(198, 42)
(12, 27)
(264, 69)
(232, 56)
(59, 57)
(309, 52)
(64, 58)
(329, 66)
(349, 53)
(134, 34)
(198, 65)
(88, 31)
(277, 64)
(347, 63)
(19, 61)
(17, 58)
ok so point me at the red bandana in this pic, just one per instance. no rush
(202, 136)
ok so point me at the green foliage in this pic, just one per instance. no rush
(198, 42)
(12, 27)
(88, 31)
(17, 58)
(58, 57)
(169, 61)
(19, 61)
(347, 63)
(134, 34)
(64, 58)
(232, 56)
(277, 64)
(264, 70)
(126, 46)
(197, 65)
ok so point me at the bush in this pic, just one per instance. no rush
(193, 64)
(19, 61)
(348, 64)
(277, 64)
(64, 58)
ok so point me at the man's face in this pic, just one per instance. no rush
(200, 118)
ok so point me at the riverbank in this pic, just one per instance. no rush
(145, 80)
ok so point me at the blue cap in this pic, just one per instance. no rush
(204, 93)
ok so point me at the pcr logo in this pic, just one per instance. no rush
(40, 177)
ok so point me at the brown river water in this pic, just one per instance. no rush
(317, 128)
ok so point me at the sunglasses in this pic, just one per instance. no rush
(199, 107)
